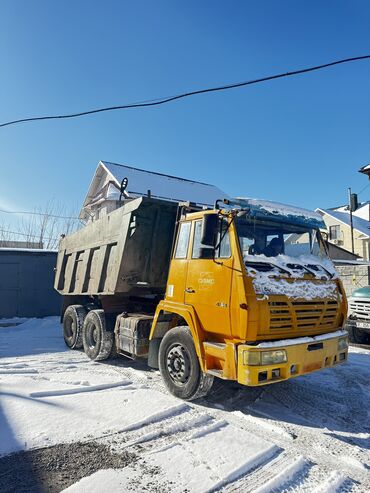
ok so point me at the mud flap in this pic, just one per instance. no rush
(153, 353)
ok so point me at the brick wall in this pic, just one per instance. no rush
(353, 276)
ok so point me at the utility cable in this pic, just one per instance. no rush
(38, 214)
(30, 235)
(365, 187)
(157, 102)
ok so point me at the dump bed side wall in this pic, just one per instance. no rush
(147, 248)
(125, 252)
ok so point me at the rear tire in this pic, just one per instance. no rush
(97, 340)
(358, 336)
(73, 320)
(179, 365)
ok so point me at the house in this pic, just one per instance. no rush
(103, 195)
(365, 170)
(337, 221)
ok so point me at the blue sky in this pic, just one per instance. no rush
(299, 140)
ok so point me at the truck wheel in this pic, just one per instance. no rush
(179, 365)
(73, 320)
(358, 336)
(97, 340)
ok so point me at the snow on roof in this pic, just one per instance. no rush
(163, 186)
(345, 207)
(359, 224)
(365, 169)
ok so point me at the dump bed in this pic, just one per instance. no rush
(125, 252)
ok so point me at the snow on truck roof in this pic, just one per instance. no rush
(265, 209)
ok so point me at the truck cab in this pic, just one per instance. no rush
(254, 287)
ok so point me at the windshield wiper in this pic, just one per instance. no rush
(330, 274)
(301, 267)
(261, 263)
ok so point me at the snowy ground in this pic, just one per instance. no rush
(311, 434)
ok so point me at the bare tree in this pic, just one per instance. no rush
(42, 227)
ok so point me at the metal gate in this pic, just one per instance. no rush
(9, 288)
(26, 283)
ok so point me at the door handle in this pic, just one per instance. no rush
(189, 290)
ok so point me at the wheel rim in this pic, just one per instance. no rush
(69, 329)
(91, 335)
(178, 364)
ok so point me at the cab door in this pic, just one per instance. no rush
(208, 284)
(176, 282)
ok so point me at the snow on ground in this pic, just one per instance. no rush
(308, 434)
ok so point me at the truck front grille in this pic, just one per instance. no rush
(285, 315)
(360, 309)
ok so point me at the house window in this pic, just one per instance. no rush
(334, 232)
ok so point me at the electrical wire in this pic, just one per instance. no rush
(30, 236)
(38, 214)
(156, 102)
(364, 189)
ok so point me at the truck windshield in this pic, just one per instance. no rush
(279, 243)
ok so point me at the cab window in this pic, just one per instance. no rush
(223, 250)
(183, 240)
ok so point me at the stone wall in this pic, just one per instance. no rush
(353, 276)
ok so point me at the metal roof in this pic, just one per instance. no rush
(359, 224)
(164, 186)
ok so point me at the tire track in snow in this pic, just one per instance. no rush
(331, 484)
(270, 474)
(170, 431)
(80, 390)
(155, 419)
(245, 468)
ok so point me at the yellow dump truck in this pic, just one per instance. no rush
(244, 291)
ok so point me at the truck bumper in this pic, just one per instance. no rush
(302, 356)
(363, 325)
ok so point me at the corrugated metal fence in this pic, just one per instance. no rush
(26, 283)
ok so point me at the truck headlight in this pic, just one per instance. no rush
(255, 358)
(342, 343)
(273, 357)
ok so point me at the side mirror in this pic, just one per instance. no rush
(209, 230)
(206, 252)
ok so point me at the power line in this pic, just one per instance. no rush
(28, 235)
(365, 187)
(38, 214)
(156, 102)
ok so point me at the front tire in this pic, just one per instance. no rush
(97, 340)
(73, 320)
(179, 365)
